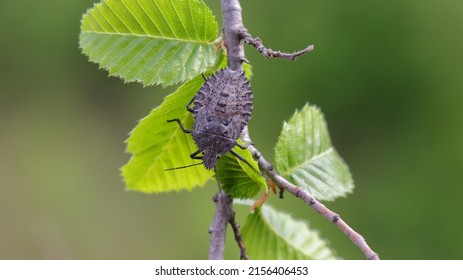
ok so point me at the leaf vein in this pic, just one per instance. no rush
(192, 19)
(118, 16)
(148, 35)
(135, 17)
(308, 161)
(180, 18)
(167, 21)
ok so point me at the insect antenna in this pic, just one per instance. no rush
(182, 167)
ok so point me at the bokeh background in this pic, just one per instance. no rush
(387, 74)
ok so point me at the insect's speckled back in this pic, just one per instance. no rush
(222, 108)
(224, 95)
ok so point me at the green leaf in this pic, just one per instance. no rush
(150, 41)
(157, 145)
(236, 177)
(305, 156)
(271, 235)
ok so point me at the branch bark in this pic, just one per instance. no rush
(218, 230)
(232, 28)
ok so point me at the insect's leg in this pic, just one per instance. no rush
(181, 167)
(243, 160)
(245, 146)
(188, 106)
(181, 125)
(217, 177)
(192, 156)
(195, 155)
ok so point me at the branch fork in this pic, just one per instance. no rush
(224, 215)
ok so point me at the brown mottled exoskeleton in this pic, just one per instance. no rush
(222, 108)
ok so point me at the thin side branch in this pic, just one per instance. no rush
(239, 240)
(269, 53)
(311, 201)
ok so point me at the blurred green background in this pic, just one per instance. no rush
(387, 75)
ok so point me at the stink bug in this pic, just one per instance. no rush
(221, 109)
